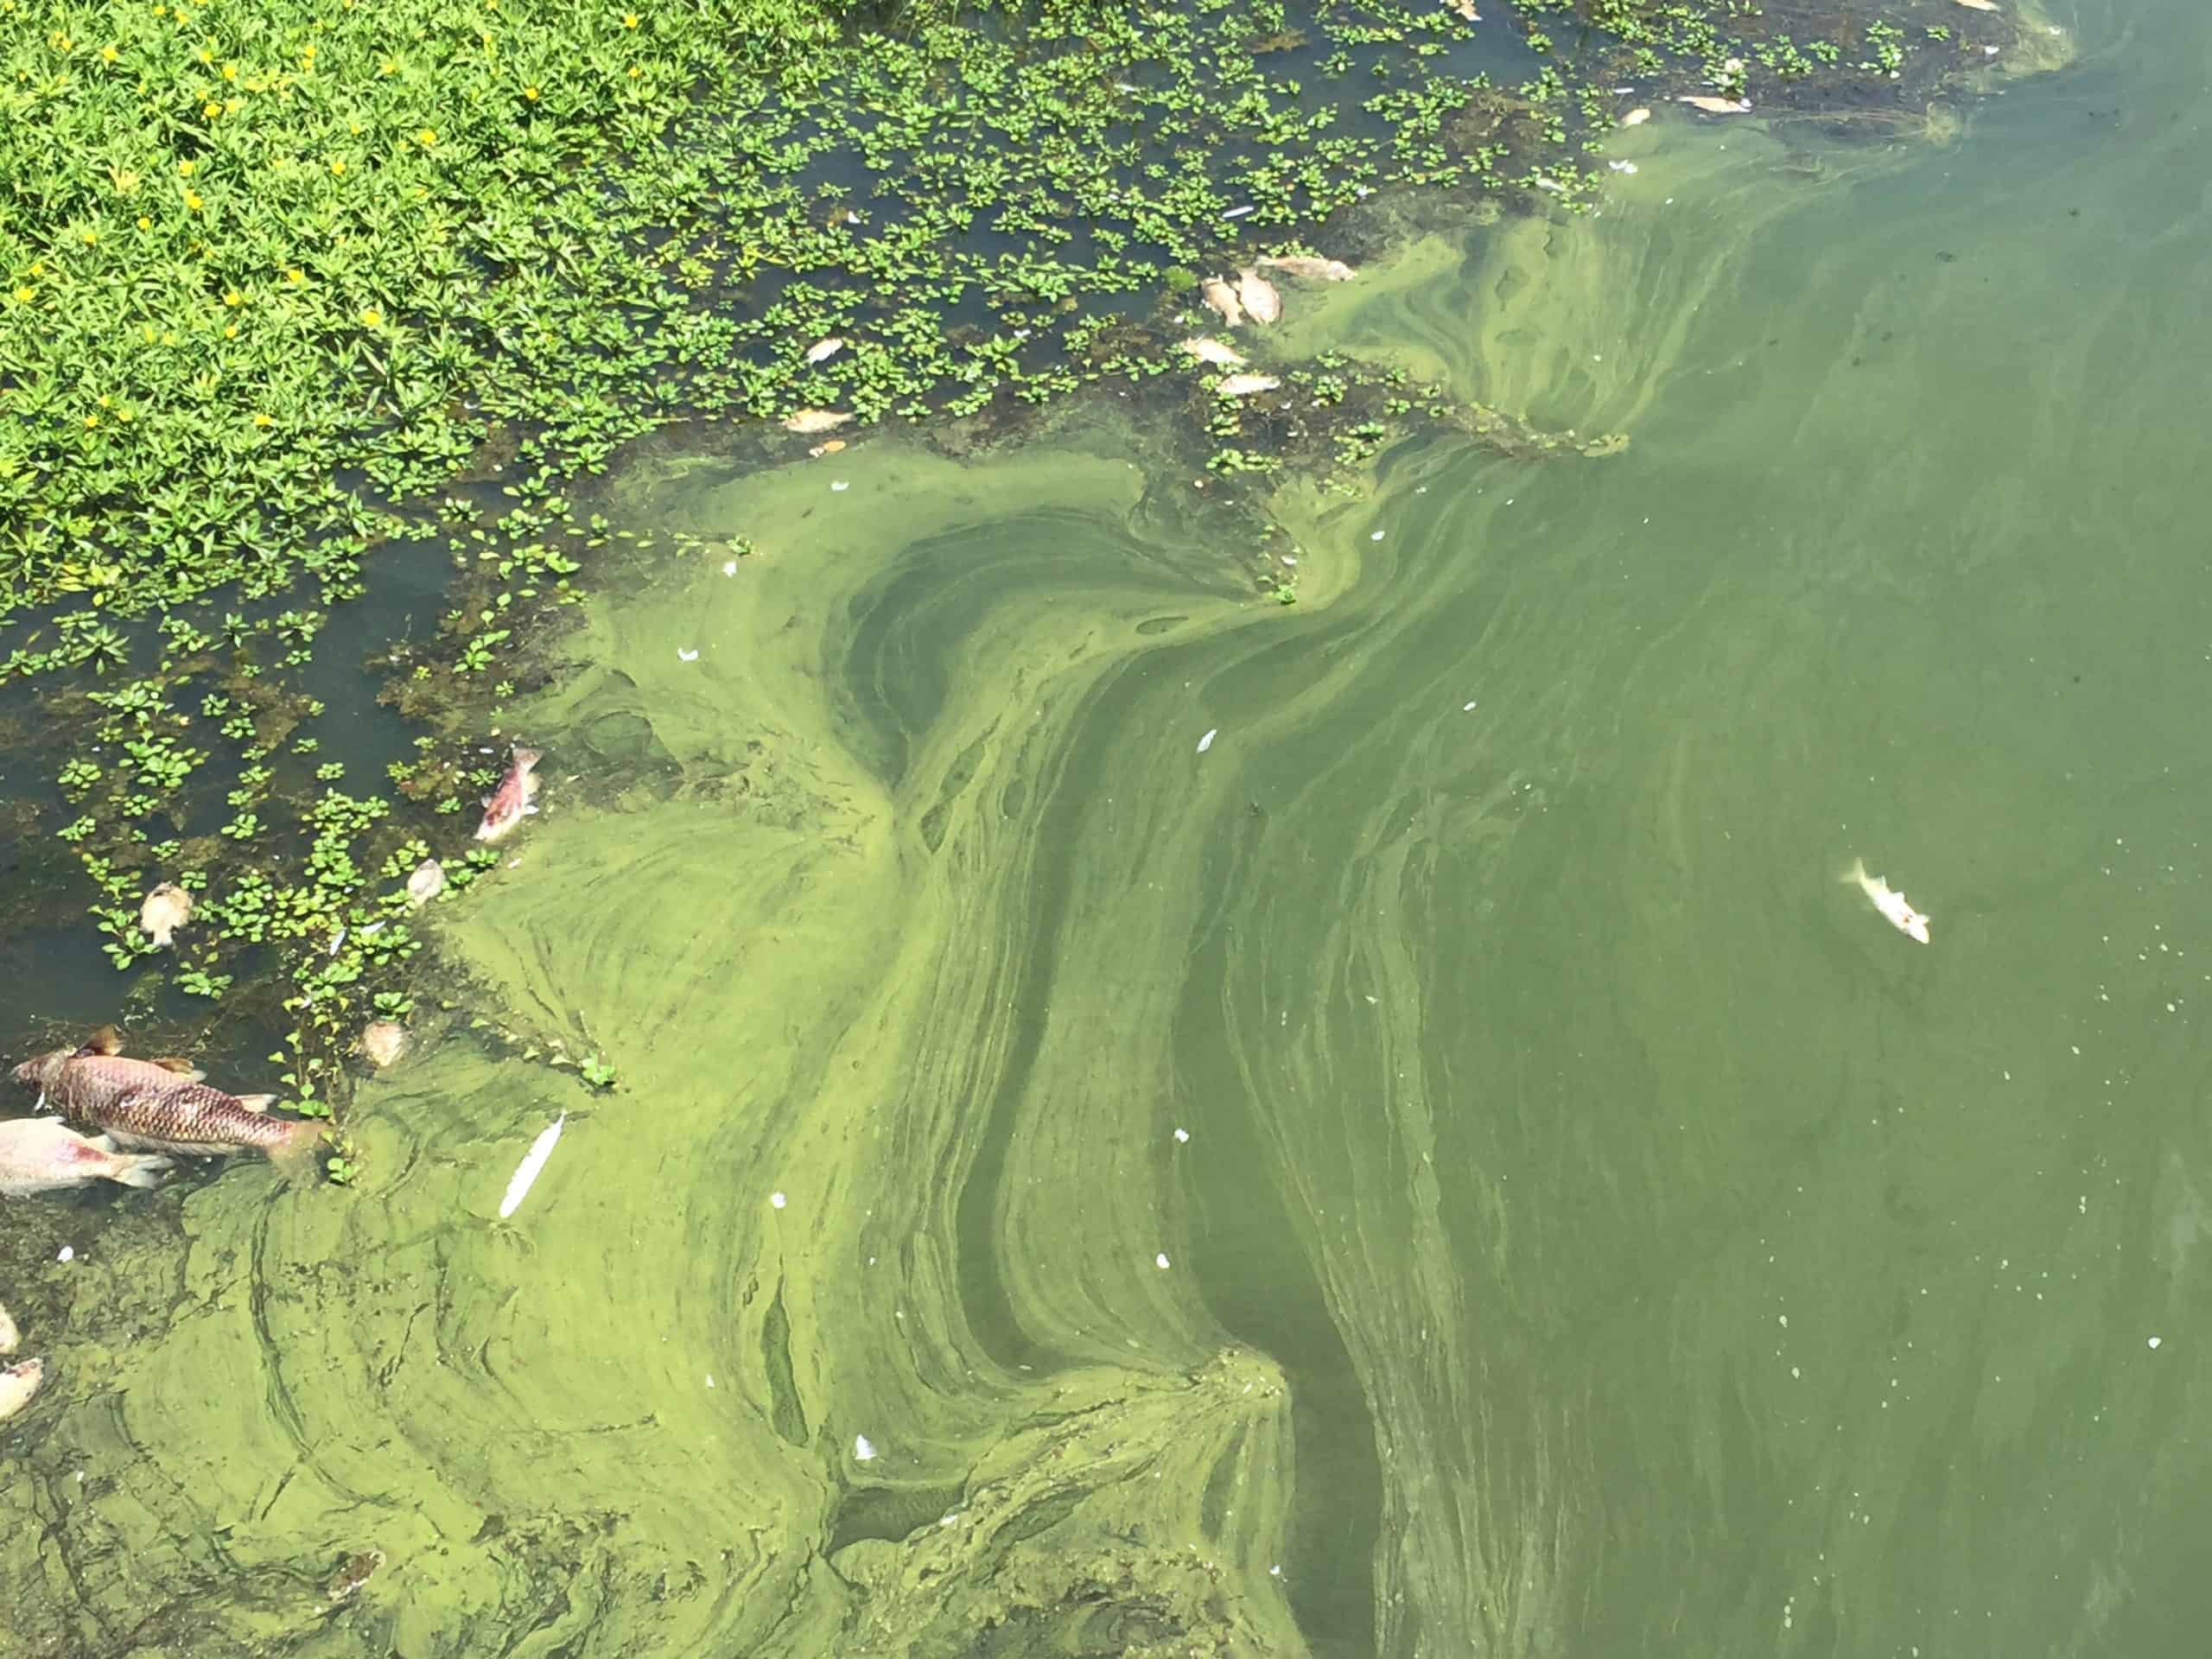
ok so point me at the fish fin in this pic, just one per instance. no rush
(100, 1142)
(106, 1040)
(184, 1069)
(294, 1155)
(255, 1103)
(161, 937)
(143, 1170)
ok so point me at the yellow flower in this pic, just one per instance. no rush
(390, 69)
(629, 19)
(109, 55)
(308, 51)
(106, 402)
(144, 223)
(123, 414)
(426, 138)
(530, 92)
(262, 419)
(38, 268)
(211, 109)
(295, 277)
(231, 105)
(161, 11)
(91, 421)
(206, 57)
(169, 336)
(91, 236)
(25, 294)
(338, 169)
(635, 72)
(233, 299)
(373, 317)
(230, 331)
(184, 169)
(147, 329)
(230, 72)
(194, 201)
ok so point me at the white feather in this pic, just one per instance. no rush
(527, 1170)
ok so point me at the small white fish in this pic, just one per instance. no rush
(17, 1384)
(1206, 742)
(1718, 105)
(1209, 350)
(1893, 905)
(533, 1162)
(1243, 385)
(1979, 5)
(8, 1335)
(823, 350)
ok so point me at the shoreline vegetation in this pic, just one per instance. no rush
(292, 286)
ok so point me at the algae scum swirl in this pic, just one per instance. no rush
(1155, 1120)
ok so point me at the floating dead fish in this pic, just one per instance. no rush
(1716, 105)
(533, 1163)
(823, 350)
(1236, 212)
(835, 446)
(1895, 908)
(18, 1383)
(1206, 742)
(1308, 269)
(1258, 297)
(427, 881)
(1464, 9)
(42, 1154)
(1243, 385)
(168, 907)
(505, 807)
(1979, 5)
(1209, 350)
(806, 421)
(8, 1335)
(1635, 117)
(382, 1042)
(1222, 298)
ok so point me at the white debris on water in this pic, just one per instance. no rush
(1376, 537)
(533, 1162)
(68, 1254)
(711, 1379)
(683, 656)
(1182, 1135)
(1466, 708)
(729, 567)
(840, 487)
(1160, 1262)
(2155, 1340)
(863, 1449)
(777, 1199)
(1206, 742)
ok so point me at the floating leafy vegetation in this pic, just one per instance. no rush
(302, 290)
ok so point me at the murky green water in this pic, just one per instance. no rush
(1598, 1232)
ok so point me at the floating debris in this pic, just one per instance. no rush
(1243, 385)
(808, 421)
(1206, 742)
(777, 1199)
(1308, 269)
(840, 487)
(686, 655)
(533, 1163)
(729, 567)
(1258, 297)
(1209, 350)
(382, 1042)
(346, 1582)
(168, 907)
(835, 446)
(823, 350)
(427, 881)
(1160, 1262)
(863, 1449)
(1222, 298)
(1238, 213)
(1716, 105)
(1635, 117)
(1181, 1136)
(1982, 5)
(1621, 166)
(1465, 9)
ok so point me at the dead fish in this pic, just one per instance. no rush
(8, 1335)
(146, 1105)
(1222, 298)
(168, 907)
(823, 350)
(1893, 905)
(1243, 385)
(18, 1383)
(1208, 350)
(1466, 9)
(41, 1154)
(1308, 269)
(1979, 5)
(382, 1042)
(505, 807)
(1717, 105)
(1258, 297)
(346, 1582)
(427, 881)
(1635, 117)
(835, 446)
(808, 421)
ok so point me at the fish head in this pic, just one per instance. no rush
(38, 1073)
(1916, 925)
(525, 759)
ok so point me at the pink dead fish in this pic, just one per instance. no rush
(154, 1107)
(1243, 385)
(1308, 269)
(1209, 350)
(1893, 905)
(808, 422)
(1222, 298)
(18, 1383)
(505, 807)
(42, 1154)
(1257, 295)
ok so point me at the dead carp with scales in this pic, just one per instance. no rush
(163, 1106)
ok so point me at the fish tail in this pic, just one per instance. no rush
(294, 1155)
(141, 1170)
(1856, 874)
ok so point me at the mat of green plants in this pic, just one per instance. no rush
(1154, 1055)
